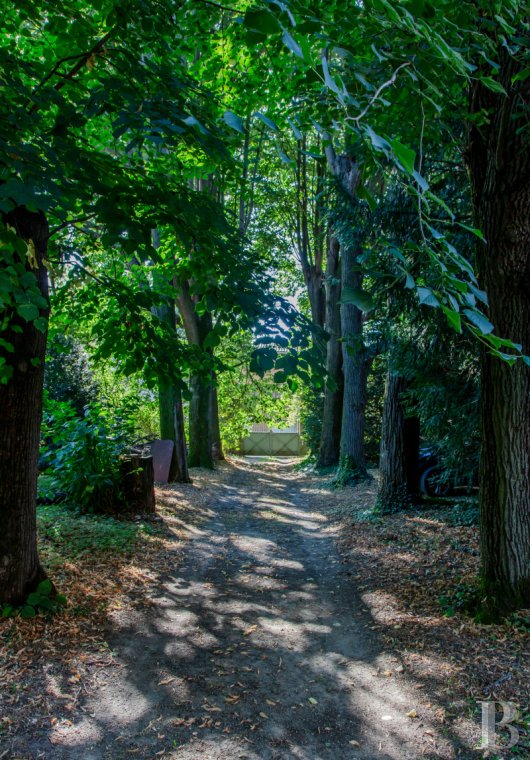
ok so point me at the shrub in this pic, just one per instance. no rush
(82, 455)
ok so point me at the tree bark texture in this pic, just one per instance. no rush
(172, 429)
(200, 440)
(499, 161)
(200, 409)
(392, 461)
(355, 366)
(328, 455)
(217, 444)
(170, 412)
(20, 416)
(137, 484)
(355, 358)
(309, 230)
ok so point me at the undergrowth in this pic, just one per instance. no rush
(66, 534)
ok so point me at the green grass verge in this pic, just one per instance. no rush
(70, 534)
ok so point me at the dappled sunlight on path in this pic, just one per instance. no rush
(256, 647)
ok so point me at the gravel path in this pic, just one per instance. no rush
(256, 647)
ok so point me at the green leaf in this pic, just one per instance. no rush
(296, 131)
(422, 182)
(453, 317)
(328, 79)
(405, 155)
(27, 612)
(28, 311)
(292, 44)
(357, 297)
(377, 141)
(479, 320)
(427, 297)
(41, 324)
(493, 85)
(263, 360)
(268, 122)
(474, 231)
(46, 603)
(234, 121)
(45, 586)
(521, 76)
(260, 20)
(365, 195)
(284, 157)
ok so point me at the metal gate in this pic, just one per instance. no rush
(272, 444)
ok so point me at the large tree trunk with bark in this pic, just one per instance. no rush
(355, 366)
(200, 438)
(310, 235)
(217, 444)
(20, 415)
(170, 412)
(200, 409)
(172, 429)
(315, 290)
(392, 461)
(499, 160)
(355, 358)
(328, 455)
(399, 454)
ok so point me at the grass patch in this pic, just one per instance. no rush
(46, 489)
(68, 534)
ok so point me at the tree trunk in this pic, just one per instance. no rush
(200, 410)
(329, 451)
(355, 366)
(355, 358)
(316, 293)
(137, 484)
(181, 450)
(217, 445)
(20, 413)
(392, 461)
(499, 160)
(200, 441)
(172, 429)
(170, 408)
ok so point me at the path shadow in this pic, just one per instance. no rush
(257, 646)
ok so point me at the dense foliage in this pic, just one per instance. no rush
(224, 214)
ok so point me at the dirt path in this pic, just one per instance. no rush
(256, 647)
